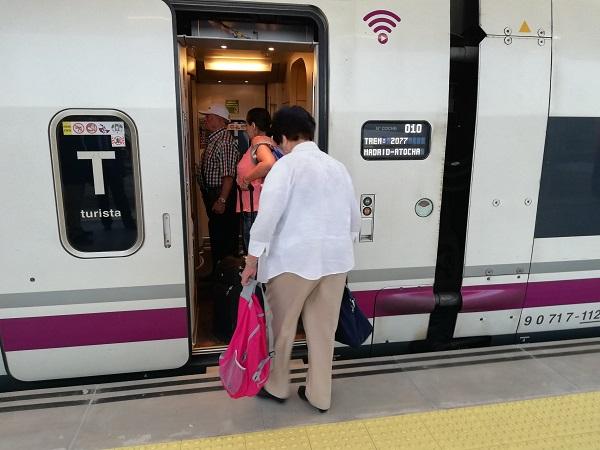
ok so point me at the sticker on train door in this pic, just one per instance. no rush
(95, 128)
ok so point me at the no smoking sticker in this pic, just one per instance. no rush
(78, 128)
(117, 141)
(112, 129)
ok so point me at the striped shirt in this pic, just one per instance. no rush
(219, 159)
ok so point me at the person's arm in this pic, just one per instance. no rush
(228, 169)
(220, 204)
(226, 187)
(249, 269)
(273, 203)
(265, 159)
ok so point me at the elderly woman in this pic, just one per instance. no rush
(302, 243)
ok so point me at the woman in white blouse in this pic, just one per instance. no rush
(302, 243)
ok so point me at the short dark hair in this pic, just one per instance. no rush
(294, 123)
(261, 118)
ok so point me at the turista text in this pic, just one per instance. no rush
(99, 213)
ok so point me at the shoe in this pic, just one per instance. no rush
(302, 395)
(263, 393)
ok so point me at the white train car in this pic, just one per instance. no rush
(471, 130)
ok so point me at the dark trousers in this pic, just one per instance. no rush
(223, 228)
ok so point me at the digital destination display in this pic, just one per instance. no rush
(391, 140)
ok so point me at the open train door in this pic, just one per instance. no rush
(93, 270)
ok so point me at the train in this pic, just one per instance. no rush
(471, 130)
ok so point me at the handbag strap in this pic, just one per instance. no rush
(248, 290)
(268, 321)
(255, 148)
(241, 197)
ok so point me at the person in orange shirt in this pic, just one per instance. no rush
(254, 166)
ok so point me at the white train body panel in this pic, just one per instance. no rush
(558, 318)
(487, 323)
(406, 328)
(564, 241)
(575, 94)
(512, 111)
(575, 86)
(406, 79)
(509, 17)
(565, 263)
(529, 261)
(120, 56)
(102, 55)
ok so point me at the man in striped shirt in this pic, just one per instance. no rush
(217, 175)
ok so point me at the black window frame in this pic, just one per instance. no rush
(58, 181)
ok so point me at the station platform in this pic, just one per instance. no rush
(539, 396)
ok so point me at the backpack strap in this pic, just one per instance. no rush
(269, 321)
(248, 290)
(254, 150)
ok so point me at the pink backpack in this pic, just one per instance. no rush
(244, 367)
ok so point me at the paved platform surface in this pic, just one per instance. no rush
(458, 399)
(561, 422)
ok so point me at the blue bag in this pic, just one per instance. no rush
(353, 327)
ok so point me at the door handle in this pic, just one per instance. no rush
(167, 230)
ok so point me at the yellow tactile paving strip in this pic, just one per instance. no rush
(565, 422)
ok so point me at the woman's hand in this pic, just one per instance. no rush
(244, 184)
(250, 269)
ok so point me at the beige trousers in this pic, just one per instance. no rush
(318, 301)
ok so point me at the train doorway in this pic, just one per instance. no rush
(240, 62)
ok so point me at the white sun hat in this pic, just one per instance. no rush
(217, 110)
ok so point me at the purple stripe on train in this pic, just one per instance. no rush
(396, 302)
(552, 293)
(533, 295)
(493, 297)
(35, 333)
(421, 300)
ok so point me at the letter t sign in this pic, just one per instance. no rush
(97, 158)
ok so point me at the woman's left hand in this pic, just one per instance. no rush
(250, 269)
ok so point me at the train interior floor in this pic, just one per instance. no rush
(544, 396)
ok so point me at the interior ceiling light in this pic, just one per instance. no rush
(231, 64)
(223, 46)
(245, 81)
(271, 49)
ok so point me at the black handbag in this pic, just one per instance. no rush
(353, 327)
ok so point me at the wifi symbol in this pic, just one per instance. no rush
(381, 22)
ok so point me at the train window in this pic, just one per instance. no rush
(569, 202)
(97, 182)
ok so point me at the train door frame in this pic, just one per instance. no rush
(319, 94)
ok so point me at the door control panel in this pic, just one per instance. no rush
(367, 213)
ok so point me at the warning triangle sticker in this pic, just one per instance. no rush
(525, 28)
